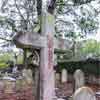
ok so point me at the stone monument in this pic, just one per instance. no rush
(84, 93)
(79, 79)
(64, 76)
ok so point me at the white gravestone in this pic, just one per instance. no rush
(79, 79)
(84, 93)
(64, 76)
(27, 74)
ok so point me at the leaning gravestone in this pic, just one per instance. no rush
(64, 76)
(79, 79)
(84, 93)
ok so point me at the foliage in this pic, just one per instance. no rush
(80, 2)
(90, 67)
(3, 65)
(82, 20)
(19, 14)
(91, 47)
(6, 57)
(72, 21)
(16, 15)
(22, 15)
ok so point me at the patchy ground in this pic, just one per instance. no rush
(65, 90)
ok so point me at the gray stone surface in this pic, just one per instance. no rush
(84, 93)
(64, 76)
(79, 79)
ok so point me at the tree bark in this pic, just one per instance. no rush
(47, 84)
(25, 57)
(39, 11)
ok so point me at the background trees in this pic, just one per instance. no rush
(75, 19)
(90, 48)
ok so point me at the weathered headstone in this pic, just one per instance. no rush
(79, 79)
(84, 93)
(27, 74)
(57, 75)
(64, 76)
(57, 78)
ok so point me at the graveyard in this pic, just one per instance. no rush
(65, 82)
(50, 50)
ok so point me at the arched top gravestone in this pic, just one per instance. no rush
(84, 93)
(64, 76)
(79, 79)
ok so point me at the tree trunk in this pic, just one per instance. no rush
(25, 58)
(47, 85)
(74, 48)
(37, 81)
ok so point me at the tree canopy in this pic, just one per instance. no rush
(90, 48)
(74, 19)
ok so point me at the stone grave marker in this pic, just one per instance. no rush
(57, 75)
(79, 79)
(57, 78)
(84, 93)
(27, 74)
(64, 76)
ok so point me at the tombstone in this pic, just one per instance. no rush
(64, 76)
(27, 74)
(84, 93)
(57, 78)
(79, 79)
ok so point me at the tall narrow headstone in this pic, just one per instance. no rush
(84, 93)
(64, 76)
(79, 79)
(57, 78)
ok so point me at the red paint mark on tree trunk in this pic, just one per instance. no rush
(50, 51)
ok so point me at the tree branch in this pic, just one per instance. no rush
(19, 10)
(51, 6)
(9, 40)
(39, 7)
(81, 2)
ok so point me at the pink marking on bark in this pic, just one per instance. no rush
(50, 51)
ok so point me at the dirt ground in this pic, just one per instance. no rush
(66, 89)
